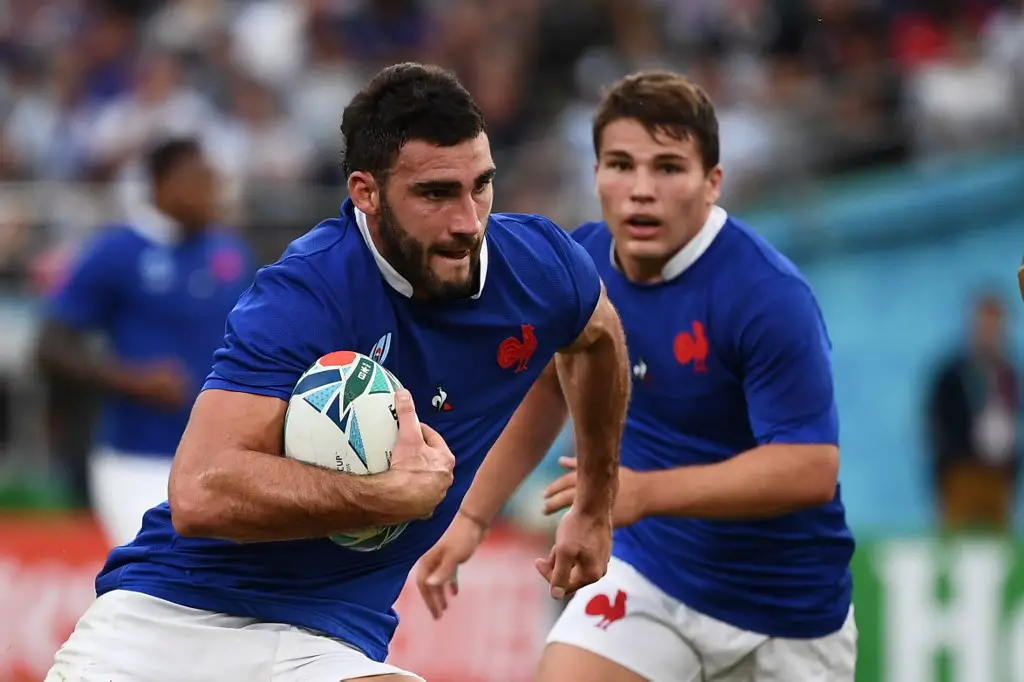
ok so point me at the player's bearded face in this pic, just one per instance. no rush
(417, 261)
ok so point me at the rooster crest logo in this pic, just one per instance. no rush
(440, 400)
(692, 348)
(610, 611)
(515, 352)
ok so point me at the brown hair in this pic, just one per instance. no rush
(662, 102)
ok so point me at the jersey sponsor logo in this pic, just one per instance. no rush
(440, 400)
(609, 610)
(692, 346)
(515, 352)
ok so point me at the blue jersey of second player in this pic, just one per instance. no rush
(730, 352)
(468, 364)
(154, 297)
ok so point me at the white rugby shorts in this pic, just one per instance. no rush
(124, 487)
(132, 636)
(626, 619)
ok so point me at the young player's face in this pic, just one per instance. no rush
(434, 213)
(655, 194)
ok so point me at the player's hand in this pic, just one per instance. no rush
(437, 575)
(162, 384)
(579, 557)
(628, 508)
(422, 459)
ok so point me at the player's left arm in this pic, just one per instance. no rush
(588, 378)
(594, 374)
(784, 350)
(585, 380)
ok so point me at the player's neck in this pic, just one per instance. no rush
(642, 271)
(180, 228)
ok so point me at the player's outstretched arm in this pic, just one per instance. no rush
(525, 440)
(766, 481)
(594, 374)
(229, 479)
(523, 443)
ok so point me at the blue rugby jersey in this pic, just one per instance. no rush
(729, 352)
(332, 291)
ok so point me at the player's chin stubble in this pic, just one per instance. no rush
(411, 258)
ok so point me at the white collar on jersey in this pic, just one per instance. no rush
(153, 224)
(693, 250)
(391, 276)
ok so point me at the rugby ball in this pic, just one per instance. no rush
(341, 416)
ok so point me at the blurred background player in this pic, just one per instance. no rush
(235, 578)
(731, 558)
(157, 288)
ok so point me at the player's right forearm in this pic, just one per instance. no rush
(255, 497)
(528, 436)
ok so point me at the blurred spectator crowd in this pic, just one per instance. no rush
(804, 89)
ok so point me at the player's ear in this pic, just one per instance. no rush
(365, 193)
(713, 185)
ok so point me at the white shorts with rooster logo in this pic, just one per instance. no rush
(626, 619)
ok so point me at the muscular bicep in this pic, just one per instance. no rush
(278, 328)
(236, 420)
(224, 423)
